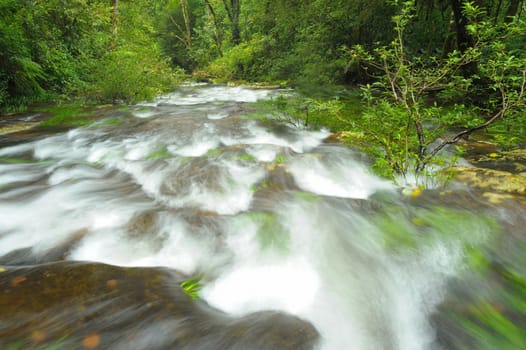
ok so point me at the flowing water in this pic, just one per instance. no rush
(269, 216)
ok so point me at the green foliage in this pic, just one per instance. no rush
(19, 74)
(242, 62)
(183, 44)
(66, 49)
(130, 76)
(280, 158)
(279, 39)
(303, 111)
(192, 287)
(400, 125)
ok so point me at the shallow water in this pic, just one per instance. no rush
(271, 217)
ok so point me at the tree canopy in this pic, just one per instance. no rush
(423, 65)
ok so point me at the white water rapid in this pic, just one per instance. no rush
(272, 217)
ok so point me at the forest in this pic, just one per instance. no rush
(404, 65)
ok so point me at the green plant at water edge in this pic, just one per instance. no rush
(303, 111)
(256, 116)
(241, 62)
(402, 129)
(130, 75)
(66, 115)
(280, 158)
(192, 287)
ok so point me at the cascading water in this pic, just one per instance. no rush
(271, 217)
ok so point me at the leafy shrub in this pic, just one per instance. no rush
(127, 75)
(241, 62)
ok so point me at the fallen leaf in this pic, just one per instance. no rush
(415, 192)
(91, 341)
(111, 284)
(17, 280)
(2, 269)
(38, 336)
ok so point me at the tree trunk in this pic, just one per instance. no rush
(513, 10)
(187, 23)
(114, 22)
(233, 9)
(497, 12)
(218, 32)
(464, 39)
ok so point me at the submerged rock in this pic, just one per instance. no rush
(79, 305)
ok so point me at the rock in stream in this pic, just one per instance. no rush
(81, 305)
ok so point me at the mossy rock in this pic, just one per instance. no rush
(513, 161)
(9, 129)
(490, 180)
(79, 305)
(344, 136)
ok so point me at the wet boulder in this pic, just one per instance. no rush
(79, 305)
(196, 172)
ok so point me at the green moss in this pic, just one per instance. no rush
(246, 157)
(109, 122)
(307, 196)
(15, 160)
(493, 319)
(491, 329)
(58, 345)
(403, 228)
(259, 186)
(15, 346)
(270, 233)
(160, 153)
(142, 109)
(66, 115)
(214, 152)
